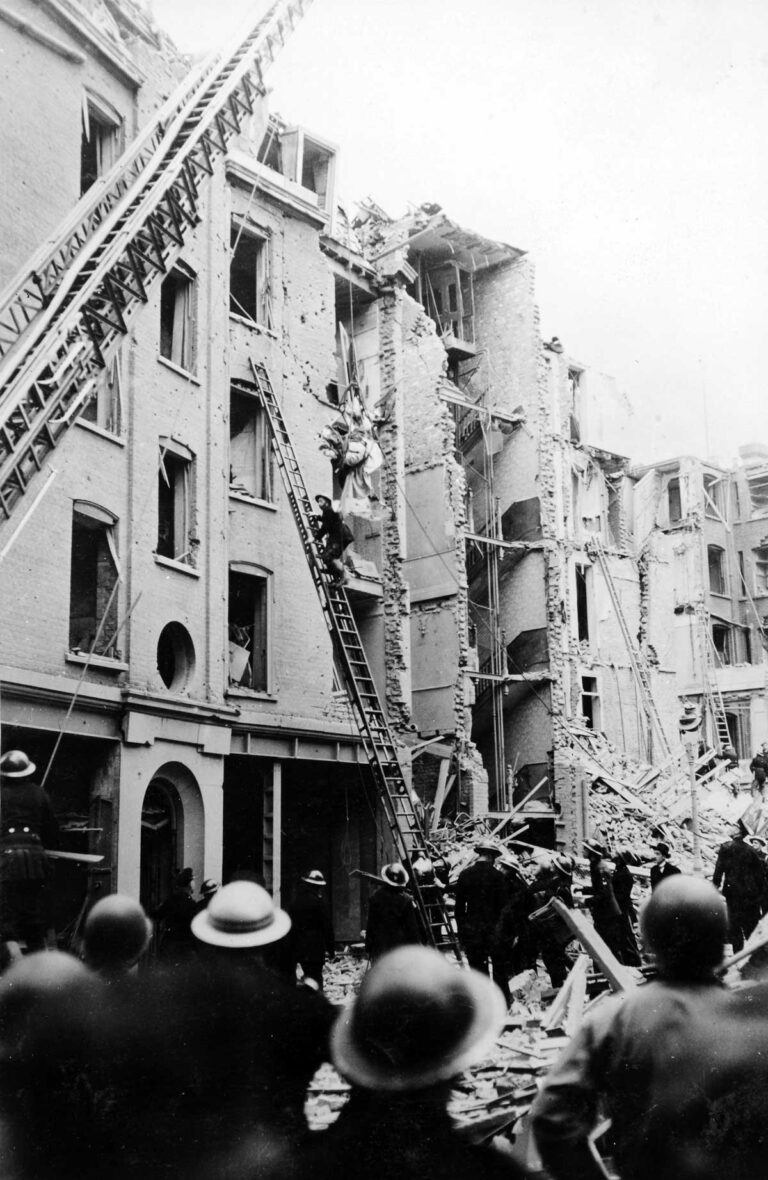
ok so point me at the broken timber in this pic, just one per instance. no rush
(619, 977)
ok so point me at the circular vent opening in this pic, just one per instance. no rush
(175, 656)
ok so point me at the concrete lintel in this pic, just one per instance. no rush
(243, 169)
(144, 729)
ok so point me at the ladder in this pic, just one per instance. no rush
(404, 823)
(712, 692)
(637, 661)
(100, 270)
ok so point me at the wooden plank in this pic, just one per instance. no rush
(619, 977)
(575, 1007)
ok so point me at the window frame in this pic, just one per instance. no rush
(103, 522)
(264, 475)
(722, 571)
(262, 274)
(97, 112)
(184, 511)
(255, 573)
(182, 352)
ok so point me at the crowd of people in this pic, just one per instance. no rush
(195, 1060)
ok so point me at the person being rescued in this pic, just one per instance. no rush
(28, 827)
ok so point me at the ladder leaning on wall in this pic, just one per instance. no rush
(403, 820)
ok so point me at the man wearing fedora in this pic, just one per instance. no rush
(663, 867)
(739, 872)
(311, 936)
(481, 894)
(417, 1023)
(392, 917)
(28, 828)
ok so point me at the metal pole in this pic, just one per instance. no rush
(698, 865)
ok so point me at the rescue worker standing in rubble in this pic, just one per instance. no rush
(481, 894)
(311, 934)
(28, 828)
(623, 883)
(392, 918)
(605, 910)
(759, 768)
(679, 1065)
(551, 936)
(739, 871)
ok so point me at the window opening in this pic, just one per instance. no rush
(177, 321)
(175, 656)
(248, 636)
(249, 277)
(713, 497)
(93, 576)
(761, 568)
(590, 702)
(721, 640)
(105, 406)
(315, 171)
(716, 564)
(758, 494)
(582, 603)
(250, 449)
(674, 502)
(100, 143)
(174, 507)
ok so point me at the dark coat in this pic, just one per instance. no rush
(174, 917)
(659, 872)
(682, 1071)
(392, 921)
(24, 866)
(740, 871)
(481, 894)
(759, 767)
(513, 933)
(311, 935)
(399, 1137)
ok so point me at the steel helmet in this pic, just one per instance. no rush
(685, 924)
(240, 915)
(116, 933)
(16, 764)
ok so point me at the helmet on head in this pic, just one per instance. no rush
(240, 915)
(116, 933)
(209, 887)
(16, 764)
(395, 875)
(488, 848)
(685, 924)
(416, 1022)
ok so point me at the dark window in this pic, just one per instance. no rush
(248, 634)
(93, 576)
(760, 555)
(174, 507)
(175, 656)
(99, 145)
(716, 563)
(673, 501)
(104, 406)
(582, 602)
(590, 702)
(177, 320)
(248, 277)
(250, 451)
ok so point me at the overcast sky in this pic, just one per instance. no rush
(621, 142)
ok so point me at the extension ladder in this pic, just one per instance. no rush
(712, 692)
(637, 661)
(379, 745)
(103, 264)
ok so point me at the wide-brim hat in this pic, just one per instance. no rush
(16, 764)
(416, 1022)
(592, 848)
(394, 875)
(663, 848)
(315, 878)
(240, 915)
(756, 841)
(488, 846)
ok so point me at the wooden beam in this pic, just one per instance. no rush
(619, 977)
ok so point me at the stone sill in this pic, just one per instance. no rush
(262, 329)
(94, 428)
(179, 566)
(249, 694)
(181, 372)
(245, 498)
(104, 663)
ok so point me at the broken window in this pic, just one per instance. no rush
(613, 520)
(674, 502)
(758, 493)
(722, 643)
(249, 277)
(105, 405)
(248, 630)
(250, 450)
(92, 581)
(177, 317)
(316, 171)
(449, 299)
(270, 153)
(713, 497)
(101, 140)
(174, 503)
(716, 564)
(582, 602)
(590, 702)
(760, 555)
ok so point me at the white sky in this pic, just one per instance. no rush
(620, 142)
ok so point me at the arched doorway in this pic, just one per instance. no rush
(160, 815)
